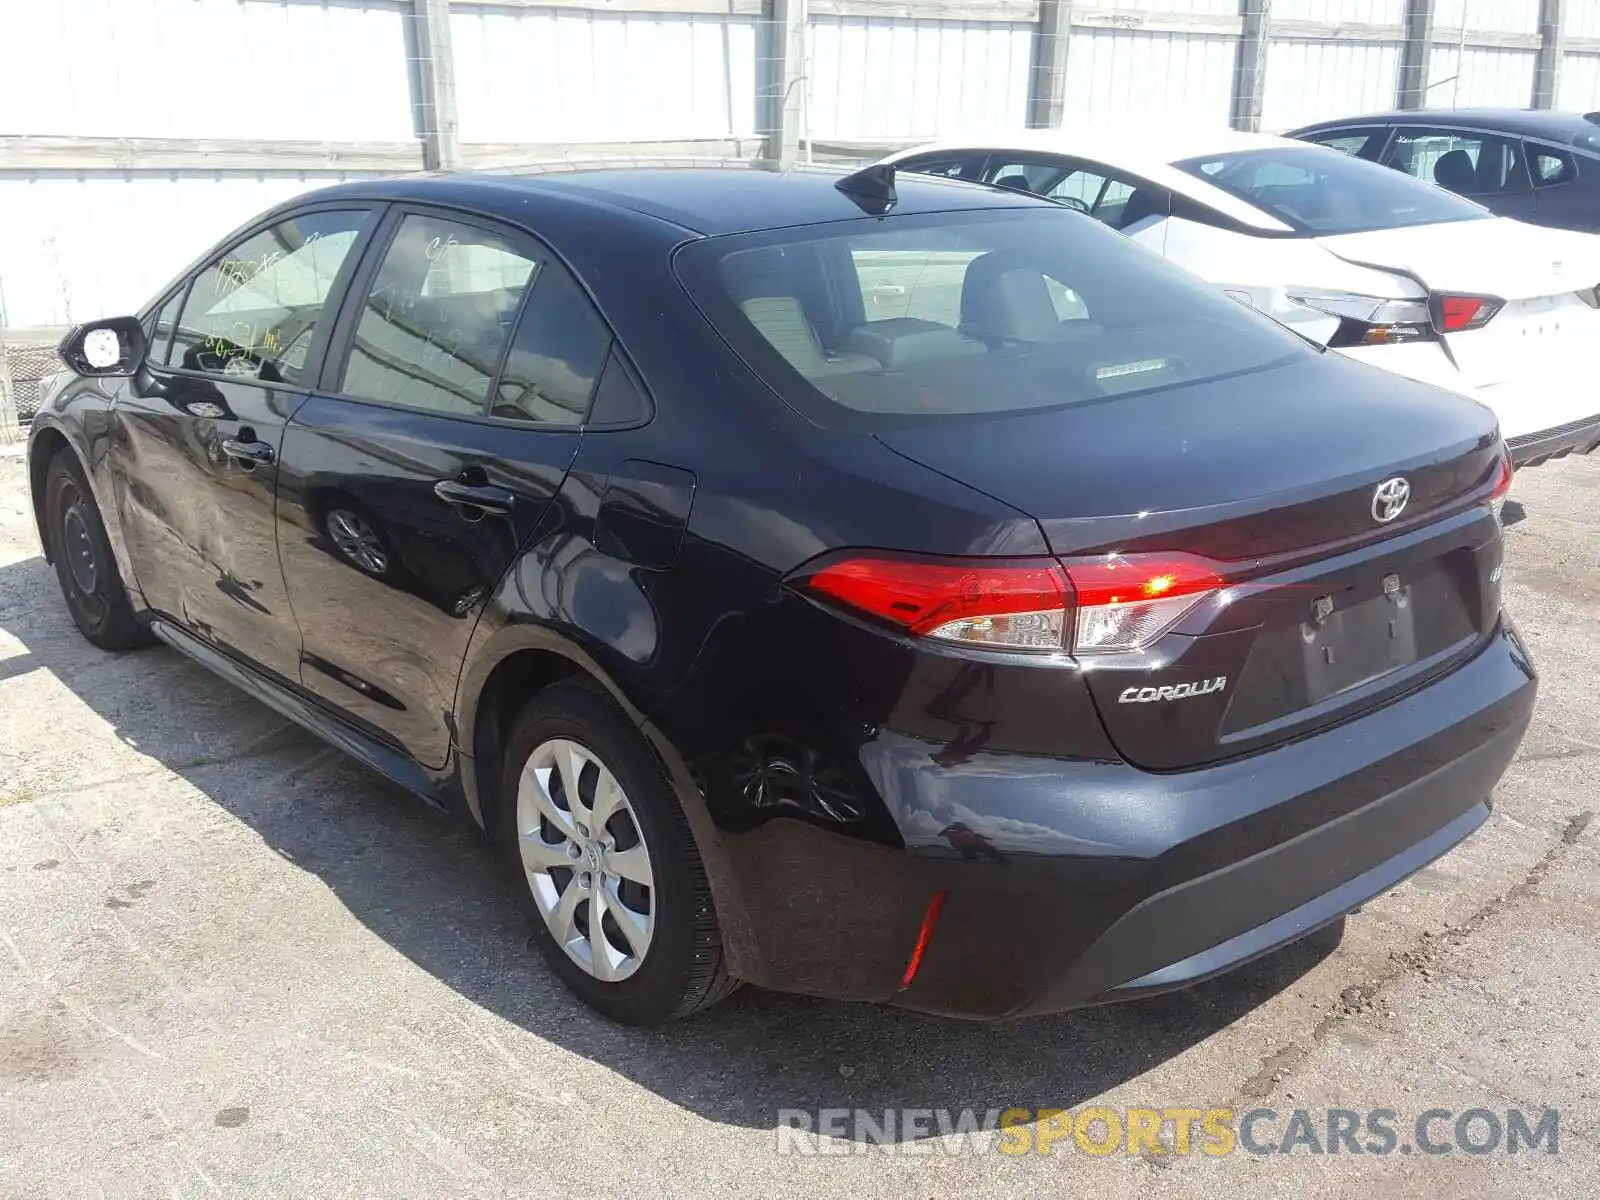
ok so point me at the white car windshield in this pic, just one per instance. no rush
(1319, 191)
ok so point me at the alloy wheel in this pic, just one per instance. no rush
(357, 541)
(585, 858)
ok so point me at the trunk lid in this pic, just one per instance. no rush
(1273, 474)
(1496, 256)
(1544, 335)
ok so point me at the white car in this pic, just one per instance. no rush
(1358, 257)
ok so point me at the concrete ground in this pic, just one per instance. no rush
(233, 963)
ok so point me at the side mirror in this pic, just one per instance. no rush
(115, 346)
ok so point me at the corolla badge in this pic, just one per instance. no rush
(1389, 500)
(1179, 691)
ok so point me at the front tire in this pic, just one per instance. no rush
(601, 855)
(85, 566)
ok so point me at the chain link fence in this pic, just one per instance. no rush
(25, 362)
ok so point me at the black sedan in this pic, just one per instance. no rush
(1539, 166)
(886, 589)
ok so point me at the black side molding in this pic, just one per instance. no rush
(388, 761)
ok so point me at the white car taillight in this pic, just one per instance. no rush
(1367, 320)
(1455, 314)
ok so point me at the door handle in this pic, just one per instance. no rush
(485, 497)
(248, 450)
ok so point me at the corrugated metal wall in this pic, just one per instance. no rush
(554, 75)
(872, 78)
(1312, 79)
(1498, 16)
(1315, 80)
(205, 69)
(1479, 76)
(77, 243)
(1112, 74)
(1579, 86)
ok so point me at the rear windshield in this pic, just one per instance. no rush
(1322, 191)
(950, 315)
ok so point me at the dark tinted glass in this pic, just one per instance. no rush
(1551, 167)
(1319, 191)
(161, 330)
(1469, 164)
(618, 400)
(438, 317)
(255, 313)
(556, 356)
(959, 314)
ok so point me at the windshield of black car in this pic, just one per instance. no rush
(928, 317)
(1322, 191)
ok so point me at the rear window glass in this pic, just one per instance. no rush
(1320, 192)
(951, 315)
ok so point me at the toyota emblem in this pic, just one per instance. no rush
(1389, 500)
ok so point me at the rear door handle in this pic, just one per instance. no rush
(257, 453)
(486, 497)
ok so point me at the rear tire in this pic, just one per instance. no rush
(668, 963)
(85, 566)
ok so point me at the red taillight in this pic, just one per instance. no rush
(1118, 602)
(1502, 477)
(1122, 579)
(1127, 601)
(1457, 313)
(1015, 605)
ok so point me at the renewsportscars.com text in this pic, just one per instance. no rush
(1098, 1131)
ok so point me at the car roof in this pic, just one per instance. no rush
(1570, 128)
(704, 197)
(1147, 153)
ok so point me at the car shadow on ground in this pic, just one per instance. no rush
(429, 887)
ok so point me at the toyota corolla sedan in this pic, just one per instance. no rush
(1067, 633)
(1371, 262)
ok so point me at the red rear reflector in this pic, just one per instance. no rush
(923, 596)
(1502, 477)
(929, 920)
(1464, 312)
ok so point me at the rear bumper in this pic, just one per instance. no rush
(1070, 884)
(1575, 437)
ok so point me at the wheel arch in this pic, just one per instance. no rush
(502, 678)
(42, 450)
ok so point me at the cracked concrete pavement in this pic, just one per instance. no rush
(234, 963)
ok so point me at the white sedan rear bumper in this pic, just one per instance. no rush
(1545, 415)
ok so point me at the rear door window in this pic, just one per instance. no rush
(1469, 164)
(437, 318)
(950, 166)
(1550, 167)
(1053, 179)
(1088, 187)
(1360, 143)
(557, 355)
